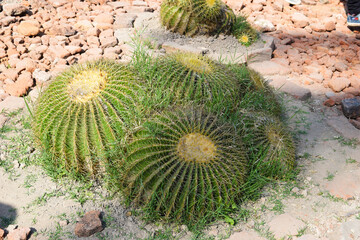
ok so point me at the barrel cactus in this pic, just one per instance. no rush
(189, 17)
(271, 143)
(184, 164)
(185, 77)
(84, 112)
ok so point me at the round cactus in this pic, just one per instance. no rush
(192, 77)
(176, 18)
(271, 143)
(83, 113)
(185, 164)
(189, 17)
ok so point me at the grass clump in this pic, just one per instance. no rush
(84, 112)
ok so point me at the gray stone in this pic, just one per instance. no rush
(291, 88)
(350, 230)
(351, 107)
(12, 103)
(41, 76)
(125, 20)
(341, 125)
(260, 55)
(175, 47)
(123, 35)
(269, 68)
(14, 9)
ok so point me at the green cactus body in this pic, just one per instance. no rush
(184, 164)
(271, 142)
(83, 113)
(189, 17)
(177, 18)
(191, 77)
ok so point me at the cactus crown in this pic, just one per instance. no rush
(86, 85)
(196, 147)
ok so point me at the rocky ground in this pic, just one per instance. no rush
(315, 59)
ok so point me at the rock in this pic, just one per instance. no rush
(104, 18)
(259, 55)
(11, 73)
(2, 232)
(123, 35)
(341, 125)
(339, 83)
(7, 20)
(351, 107)
(284, 225)
(341, 67)
(29, 28)
(264, 25)
(89, 224)
(355, 123)
(124, 20)
(41, 76)
(345, 185)
(26, 64)
(245, 235)
(21, 86)
(292, 89)
(58, 51)
(171, 47)
(14, 9)
(318, 27)
(307, 237)
(269, 68)
(299, 20)
(329, 102)
(329, 25)
(18, 234)
(350, 230)
(83, 25)
(108, 42)
(73, 49)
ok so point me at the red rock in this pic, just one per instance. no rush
(29, 28)
(104, 18)
(21, 86)
(19, 234)
(58, 51)
(340, 66)
(354, 122)
(11, 73)
(73, 49)
(329, 102)
(89, 224)
(318, 27)
(2, 232)
(14, 9)
(108, 42)
(93, 41)
(355, 81)
(329, 25)
(338, 83)
(299, 20)
(93, 32)
(26, 64)
(106, 33)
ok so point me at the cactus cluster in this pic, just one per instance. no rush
(190, 17)
(191, 131)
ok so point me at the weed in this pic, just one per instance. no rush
(353, 142)
(350, 160)
(301, 232)
(330, 176)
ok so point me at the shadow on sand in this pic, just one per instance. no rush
(8, 215)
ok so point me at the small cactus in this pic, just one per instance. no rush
(185, 164)
(189, 17)
(271, 143)
(83, 112)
